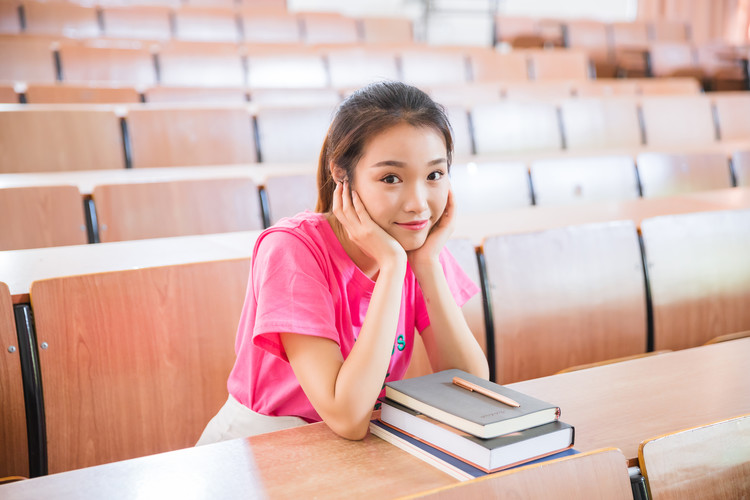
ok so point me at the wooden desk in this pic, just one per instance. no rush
(19, 268)
(540, 218)
(613, 405)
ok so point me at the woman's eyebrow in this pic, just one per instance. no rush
(401, 164)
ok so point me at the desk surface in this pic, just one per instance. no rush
(616, 405)
(540, 218)
(19, 268)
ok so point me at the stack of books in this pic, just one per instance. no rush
(468, 426)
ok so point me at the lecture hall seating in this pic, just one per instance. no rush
(487, 187)
(741, 165)
(709, 461)
(270, 26)
(292, 134)
(107, 65)
(699, 276)
(489, 65)
(328, 28)
(58, 18)
(429, 66)
(387, 30)
(206, 24)
(664, 174)
(176, 208)
(14, 454)
(289, 195)
(27, 59)
(184, 63)
(510, 126)
(558, 64)
(732, 111)
(282, 67)
(41, 216)
(565, 297)
(678, 121)
(80, 94)
(138, 22)
(141, 369)
(354, 67)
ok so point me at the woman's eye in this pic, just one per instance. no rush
(390, 179)
(436, 175)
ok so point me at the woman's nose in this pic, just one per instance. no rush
(416, 199)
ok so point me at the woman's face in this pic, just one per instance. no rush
(402, 180)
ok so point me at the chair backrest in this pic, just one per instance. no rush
(492, 66)
(292, 134)
(295, 97)
(560, 181)
(558, 64)
(353, 67)
(91, 65)
(296, 68)
(673, 59)
(699, 275)
(709, 461)
(591, 37)
(664, 174)
(27, 59)
(270, 26)
(140, 22)
(10, 20)
(489, 187)
(201, 64)
(462, 137)
(606, 87)
(595, 474)
(630, 34)
(141, 369)
(669, 85)
(206, 24)
(601, 123)
(741, 164)
(183, 136)
(466, 94)
(397, 30)
(429, 66)
(732, 110)
(321, 28)
(14, 454)
(60, 19)
(678, 120)
(41, 216)
(668, 31)
(515, 126)
(289, 195)
(80, 94)
(225, 95)
(564, 297)
(552, 91)
(47, 139)
(8, 94)
(176, 208)
(507, 29)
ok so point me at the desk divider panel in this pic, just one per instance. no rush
(135, 362)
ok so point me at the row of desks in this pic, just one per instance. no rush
(617, 405)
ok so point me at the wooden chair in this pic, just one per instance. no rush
(111, 66)
(515, 126)
(489, 187)
(493, 66)
(564, 297)
(14, 454)
(322, 28)
(709, 461)
(353, 67)
(558, 64)
(10, 20)
(563, 181)
(27, 59)
(601, 123)
(699, 275)
(606, 87)
(80, 94)
(552, 91)
(308, 125)
(206, 24)
(595, 474)
(668, 31)
(8, 94)
(60, 19)
(166, 94)
(295, 97)
(141, 369)
(466, 94)
(664, 174)
(295, 68)
(182, 136)
(289, 195)
(139, 22)
(509, 29)
(732, 110)
(741, 164)
(176, 208)
(194, 64)
(46, 140)
(431, 66)
(270, 26)
(669, 86)
(674, 59)
(593, 38)
(41, 216)
(630, 44)
(387, 30)
(457, 28)
(674, 121)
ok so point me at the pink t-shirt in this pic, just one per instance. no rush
(302, 281)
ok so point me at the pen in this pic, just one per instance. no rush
(465, 384)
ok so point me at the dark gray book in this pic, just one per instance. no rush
(436, 396)
(488, 455)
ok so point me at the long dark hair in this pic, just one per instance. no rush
(365, 113)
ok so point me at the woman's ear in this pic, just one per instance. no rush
(337, 173)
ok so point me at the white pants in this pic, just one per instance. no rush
(236, 420)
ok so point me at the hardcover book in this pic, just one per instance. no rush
(436, 396)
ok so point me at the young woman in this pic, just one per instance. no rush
(334, 296)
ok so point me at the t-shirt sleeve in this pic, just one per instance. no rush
(291, 290)
(461, 286)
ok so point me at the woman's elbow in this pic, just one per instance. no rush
(353, 431)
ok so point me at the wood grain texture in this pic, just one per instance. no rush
(598, 123)
(109, 65)
(671, 121)
(142, 368)
(665, 174)
(708, 462)
(596, 474)
(699, 273)
(175, 136)
(14, 453)
(732, 110)
(516, 126)
(43, 216)
(564, 297)
(47, 139)
(27, 59)
(176, 208)
(80, 94)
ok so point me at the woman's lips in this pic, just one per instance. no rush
(414, 226)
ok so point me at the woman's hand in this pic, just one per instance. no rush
(439, 234)
(362, 230)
